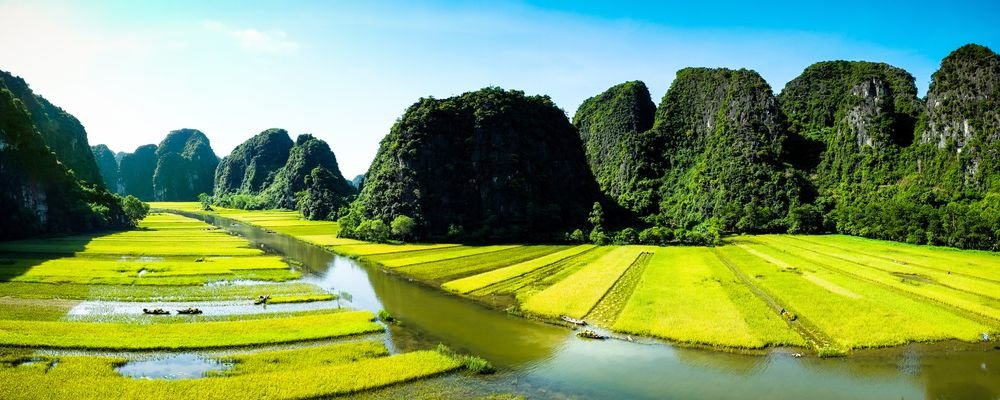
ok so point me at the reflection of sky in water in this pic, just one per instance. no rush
(176, 366)
(96, 308)
(343, 273)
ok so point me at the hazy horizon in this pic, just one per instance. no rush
(132, 72)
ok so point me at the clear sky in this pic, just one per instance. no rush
(131, 71)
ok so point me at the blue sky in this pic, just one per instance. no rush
(133, 70)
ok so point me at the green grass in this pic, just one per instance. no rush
(577, 294)
(369, 249)
(83, 377)
(154, 293)
(688, 295)
(469, 284)
(854, 313)
(34, 310)
(302, 298)
(201, 335)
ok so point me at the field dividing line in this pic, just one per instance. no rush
(633, 274)
(933, 282)
(962, 274)
(810, 332)
(528, 278)
(962, 312)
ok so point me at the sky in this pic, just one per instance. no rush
(132, 71)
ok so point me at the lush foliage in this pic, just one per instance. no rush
(252, 165)
(61, 132)
(486, 165)
(611, 126)
(108, 166)
(38, 194)
(136, 171)
(185, 166)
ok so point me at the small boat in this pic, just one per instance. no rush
(262, 299)
(589, 334)
(573, 321)
(157, 311)
(189, 311)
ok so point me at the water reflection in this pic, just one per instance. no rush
(175, 366)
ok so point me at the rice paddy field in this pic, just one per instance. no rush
(831, 294)
(71, 317)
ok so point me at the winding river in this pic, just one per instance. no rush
(547, 361)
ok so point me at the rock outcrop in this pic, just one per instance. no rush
(252, 166)
(185, 166)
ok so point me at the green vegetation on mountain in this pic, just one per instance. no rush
(38, 193)
(487, 165)
(885, 165)
(136, 172)
(60, 131)
(269, 171)
(611, 125)
(252, 165)
(722, 136)
(308, 154)
(185, 166)
(108, 166)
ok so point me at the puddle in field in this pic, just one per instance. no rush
(239, 282)
(176, 366)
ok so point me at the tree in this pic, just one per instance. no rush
(577, 236)
(596, 217)
(403, 226)
(135, 209)
(373, 230)
(206, 201)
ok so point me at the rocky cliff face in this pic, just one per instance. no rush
(136, 172)
(38, 194)
(961, 125)
(60, 131)
(252, 165)
(852, 118)
(185, 166)
(611, 125)
(108, 166)
(722, 139)
(307, 154)
(492, 164)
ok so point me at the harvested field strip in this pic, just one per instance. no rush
(978, 307)
(611, 305)
(469, 284)
(877, 317)
(441, 254)
(450, 269)
(201, 335)
(943, 276)
(576, 295)
(685, 295)
(516, 284)
(85, 378)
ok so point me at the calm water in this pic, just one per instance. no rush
(543, 360)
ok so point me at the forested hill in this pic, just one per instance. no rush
(60, 131)
(39, 194)
(487, 165)
(271, 171)
(846, 147)
(180, 168)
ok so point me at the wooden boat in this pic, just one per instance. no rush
(589, 334)
(189, 311)
(158, 311)
(573, 321)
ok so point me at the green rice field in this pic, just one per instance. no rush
(830, 293)
(172, 258)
